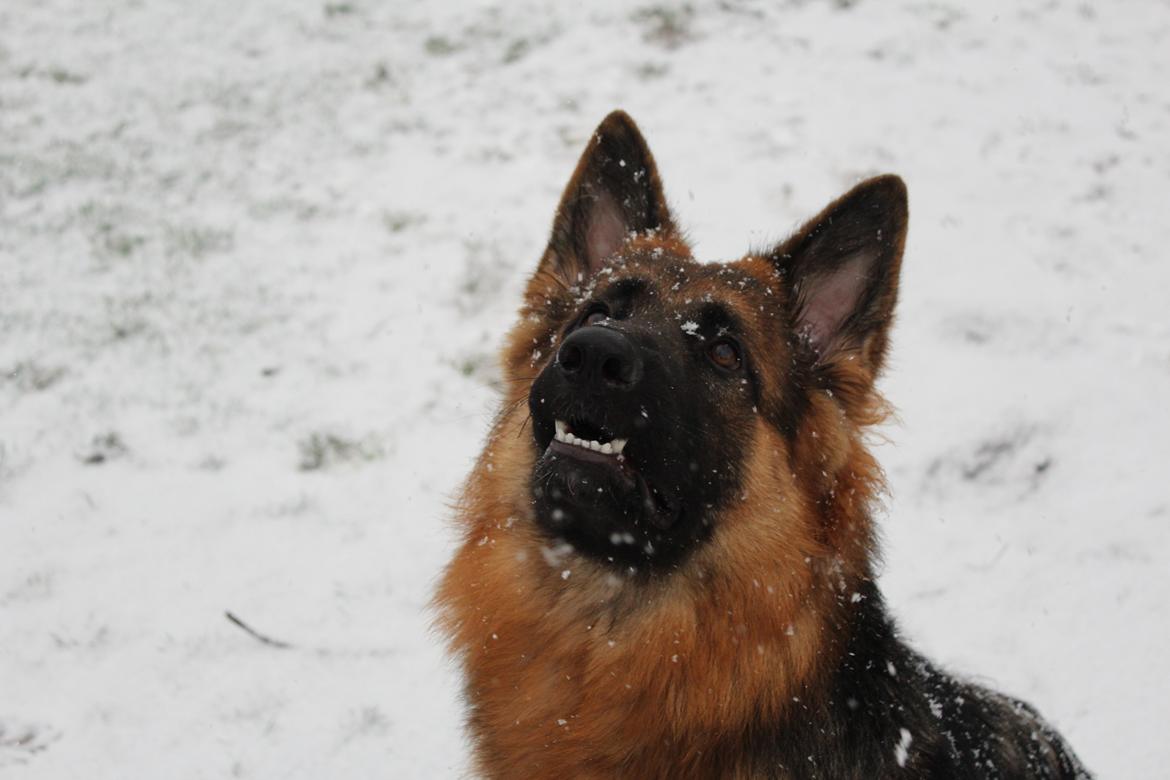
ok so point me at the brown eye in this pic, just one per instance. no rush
(724, 354)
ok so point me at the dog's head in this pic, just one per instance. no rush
(657, 386)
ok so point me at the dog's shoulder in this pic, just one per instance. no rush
(889, 712)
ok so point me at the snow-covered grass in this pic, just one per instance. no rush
(256, 258)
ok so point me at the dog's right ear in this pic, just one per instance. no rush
(615, 192)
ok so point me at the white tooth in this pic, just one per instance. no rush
(595, 446)
(570, 438)
(560, 429)
(606, 449)
(618, 445)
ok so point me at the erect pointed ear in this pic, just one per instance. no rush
(842, 267)
(614, 192)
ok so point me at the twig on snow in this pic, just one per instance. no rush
(256, 634)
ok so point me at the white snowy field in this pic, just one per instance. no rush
(256, 259)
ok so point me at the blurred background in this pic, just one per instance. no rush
(256, 260)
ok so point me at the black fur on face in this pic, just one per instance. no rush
(669, 385)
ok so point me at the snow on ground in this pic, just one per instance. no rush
(255, 259)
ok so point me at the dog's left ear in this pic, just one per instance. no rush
(615, 191)
(842, 268)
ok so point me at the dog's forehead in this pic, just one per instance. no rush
(750, 287)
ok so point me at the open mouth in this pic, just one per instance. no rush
(588, 437)
(583, 440)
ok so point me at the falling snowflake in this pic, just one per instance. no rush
(902, 749)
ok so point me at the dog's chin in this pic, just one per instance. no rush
(600, 504)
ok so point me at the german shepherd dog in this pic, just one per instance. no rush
(667, 566)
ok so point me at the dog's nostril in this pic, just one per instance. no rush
(570, 358)
(599, 358)
(613, 370)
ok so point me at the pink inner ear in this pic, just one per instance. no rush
(606, 232)
(830, 298)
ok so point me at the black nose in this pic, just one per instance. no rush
(600, 358)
